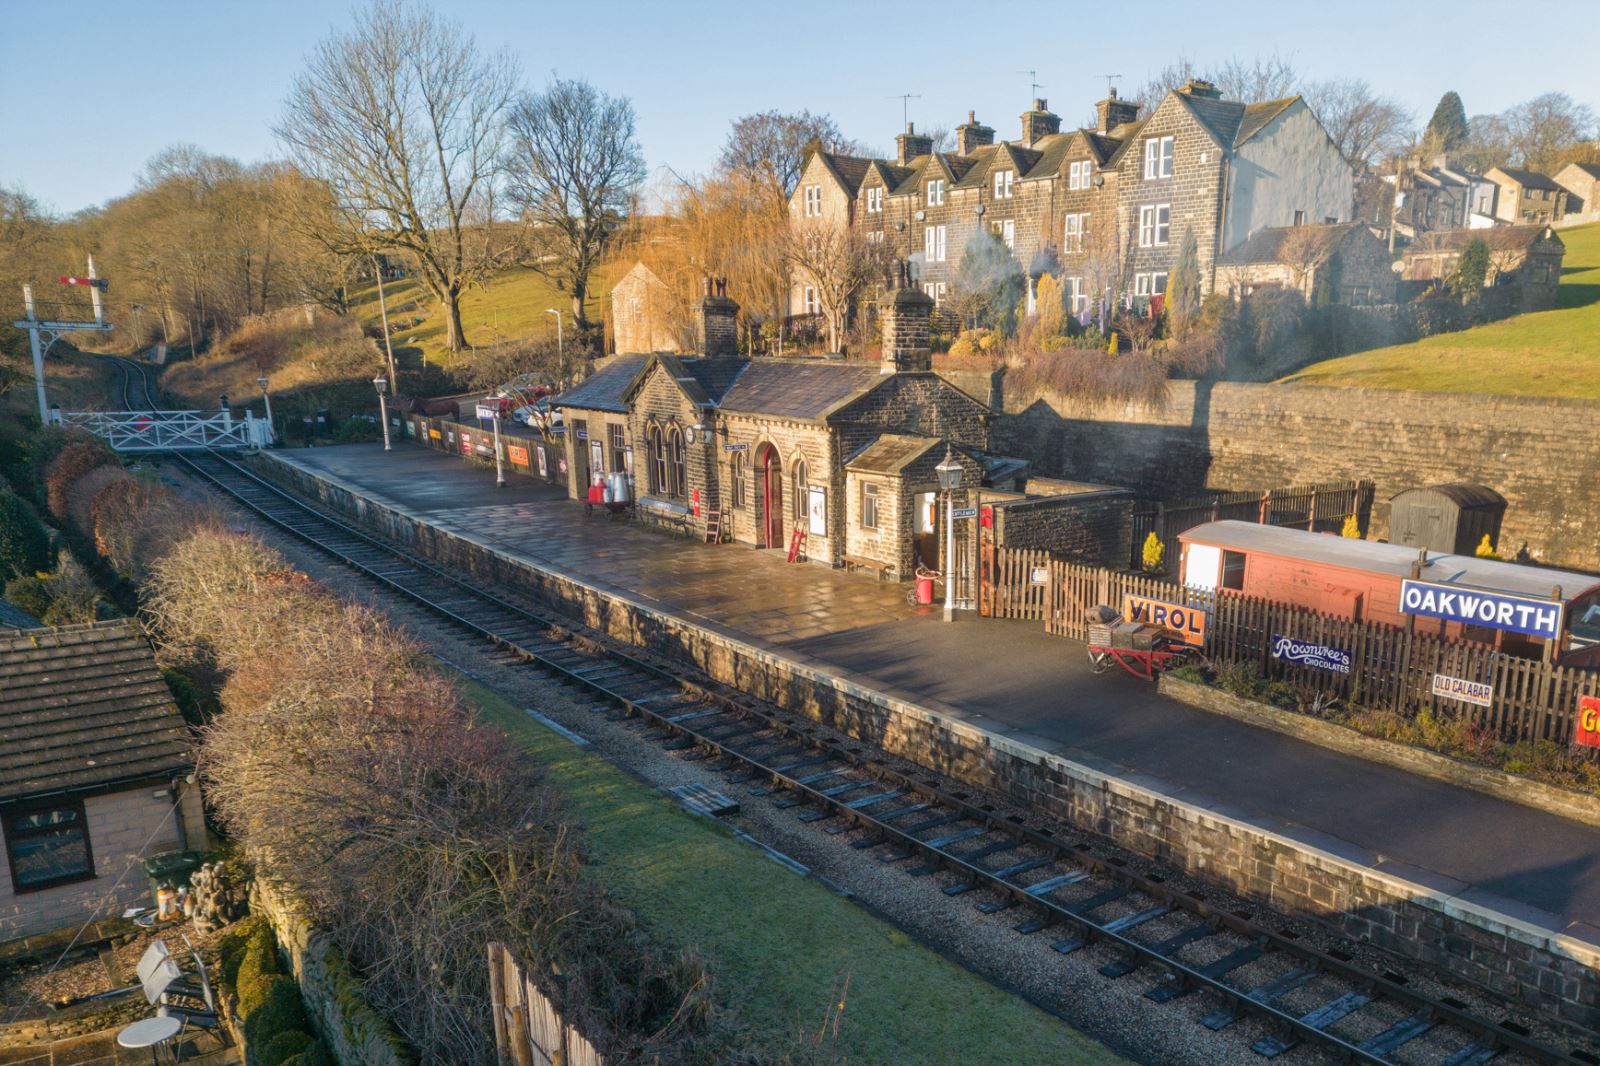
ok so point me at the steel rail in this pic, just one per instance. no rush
(1491, 1036)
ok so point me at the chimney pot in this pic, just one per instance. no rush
(905, 315)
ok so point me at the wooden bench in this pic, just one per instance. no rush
(883, 570)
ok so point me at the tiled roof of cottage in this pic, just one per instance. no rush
(1496, 237)
(1529, 179)
(603, 390)
(807, 389)
(891, 453)
(702, 380)
(84, 706)
(849, 169)
(1232, 122)
(1266, 245)
(989, 158)
(14, 617)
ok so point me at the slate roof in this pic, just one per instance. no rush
(704, 381)
(1497, 237)
(1591, 169)
(603, 390)
(804, 389)
(891, 453)
(1529, 179)
(1265, 245)
(14, 617)
(84, 706)
(1232, 122)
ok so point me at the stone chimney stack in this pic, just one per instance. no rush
(911, 144)
(1200, 89)
(904, 317)
(1039, 122)
(973, 134)
(715, 321)
(1112, 112)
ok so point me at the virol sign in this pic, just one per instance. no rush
(1188, 622)
(1493, 610)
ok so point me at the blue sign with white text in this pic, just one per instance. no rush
(1493, 610)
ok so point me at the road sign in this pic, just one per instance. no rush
(964, 512)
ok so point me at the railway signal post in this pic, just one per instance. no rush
(50, 330)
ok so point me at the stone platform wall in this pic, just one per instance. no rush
(1322, 878)
(1542, 455)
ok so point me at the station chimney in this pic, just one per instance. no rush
(905, 315)
(716, 321)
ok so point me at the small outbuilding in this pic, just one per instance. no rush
(1446, 518)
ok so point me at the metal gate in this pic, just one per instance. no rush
(168, 431)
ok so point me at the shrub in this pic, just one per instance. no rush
(280, 1012)
(231, 949)
(315, 1054)
(284, 1046)
(355, 430)
(64, 471)
(1485, 550)
(80, 495)
(971, 342)
(24, 542)
(31, 593)
(1153, 553)
(1351, 528)
(259, 969)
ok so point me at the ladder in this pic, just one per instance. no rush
(797, 541)
(714, 526)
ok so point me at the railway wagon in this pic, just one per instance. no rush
(1529, 611)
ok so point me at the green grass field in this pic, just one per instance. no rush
(779, 945)
(1547, 353)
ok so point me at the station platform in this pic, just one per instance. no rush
(1010, 679)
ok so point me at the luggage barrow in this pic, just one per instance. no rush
(1141, 650)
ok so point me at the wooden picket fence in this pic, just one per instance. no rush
(528, 1030)
(1389, 667)
(1317, 508)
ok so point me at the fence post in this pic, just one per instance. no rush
(497, 1001)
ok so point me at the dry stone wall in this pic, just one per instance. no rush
(1542, 455)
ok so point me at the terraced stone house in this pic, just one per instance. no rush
(1103, 208)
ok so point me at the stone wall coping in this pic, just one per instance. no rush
(1472, 905)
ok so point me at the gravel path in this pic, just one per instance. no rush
(1114, 1011)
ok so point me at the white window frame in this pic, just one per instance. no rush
(810, 300)
(1157, 157)
(813, 201)
(933, 244)
(1077, 298)
(1078, 175)
(1006, 230)
(1076, 228)
(935, 192)
(1003, 182)
(875, 236)
(869, 492)
(1155, 225)
(1141, 284)
(875, 199)
(1158, 283)
(934, 291)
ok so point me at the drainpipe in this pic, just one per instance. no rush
(1222, 223)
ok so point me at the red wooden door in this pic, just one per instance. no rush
(772, 496)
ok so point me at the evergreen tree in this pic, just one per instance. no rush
(1472, 269)
(1183, 287)
(24, 544)
(1448, 129)
(1051, 308)
(989, 283)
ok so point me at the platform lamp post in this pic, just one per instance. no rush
(266, 398)
(949, 472)
(381, 383)
(560, 359)
(499, 463)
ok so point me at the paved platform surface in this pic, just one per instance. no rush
(1012, 679)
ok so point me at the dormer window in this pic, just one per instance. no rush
(875, 199)
(936, 192)
(813, 201)
(1002, 183)
(1158, 157)
(1078, 175)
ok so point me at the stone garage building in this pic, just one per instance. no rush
(94, 762)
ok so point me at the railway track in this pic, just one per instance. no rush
(1057, 888)
(133, 385)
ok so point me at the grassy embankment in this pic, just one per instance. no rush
(779, 945)
(1546, 353)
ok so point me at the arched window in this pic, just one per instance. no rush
(658, 461)
(676, 481)
(736, 480)
(800, 492)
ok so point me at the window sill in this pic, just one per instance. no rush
(57, 882)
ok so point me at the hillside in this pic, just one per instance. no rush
(1548, 353)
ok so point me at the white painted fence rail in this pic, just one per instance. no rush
(166, 431)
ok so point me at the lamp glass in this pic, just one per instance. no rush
(949, 472)
(381, 383)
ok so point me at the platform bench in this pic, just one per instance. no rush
(883, 570)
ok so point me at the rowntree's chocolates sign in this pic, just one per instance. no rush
(1304, 653)
(1494, 610)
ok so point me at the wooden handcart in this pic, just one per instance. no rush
(1142, 650)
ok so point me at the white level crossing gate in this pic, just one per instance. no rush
(169, 431)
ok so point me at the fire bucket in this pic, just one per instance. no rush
(925, 586)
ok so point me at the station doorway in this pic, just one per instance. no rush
(770, 499)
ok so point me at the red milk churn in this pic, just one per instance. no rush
(925, 586)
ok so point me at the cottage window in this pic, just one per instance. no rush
(869, 505)
(1078, 175)
(813, 201)
(875, 199)
(1155, 225)
(933, 244)
(1158, 283)
(1158, 157)
(1300, 218)
(1077, 226)
(801, 491)
(619, 447)
(875, 236)
(1077, 299)
(936, 192)
(736, 480)
(1002, 183)
(811, 302)
(935, 291)
(1007, 231)
(48, 846)
(676, 485)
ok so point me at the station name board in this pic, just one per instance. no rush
(1188, 622)
(1493, 610)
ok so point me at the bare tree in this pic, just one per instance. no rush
(1365, 127)
(770, 148)
(1305, 250)
(837, 261)
(573, 168)
(402, 117)
(1263, 78)
(1547, 132)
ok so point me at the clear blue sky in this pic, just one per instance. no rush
(88, 92)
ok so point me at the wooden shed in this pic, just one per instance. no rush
(1523, 610)
(1450, 518)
